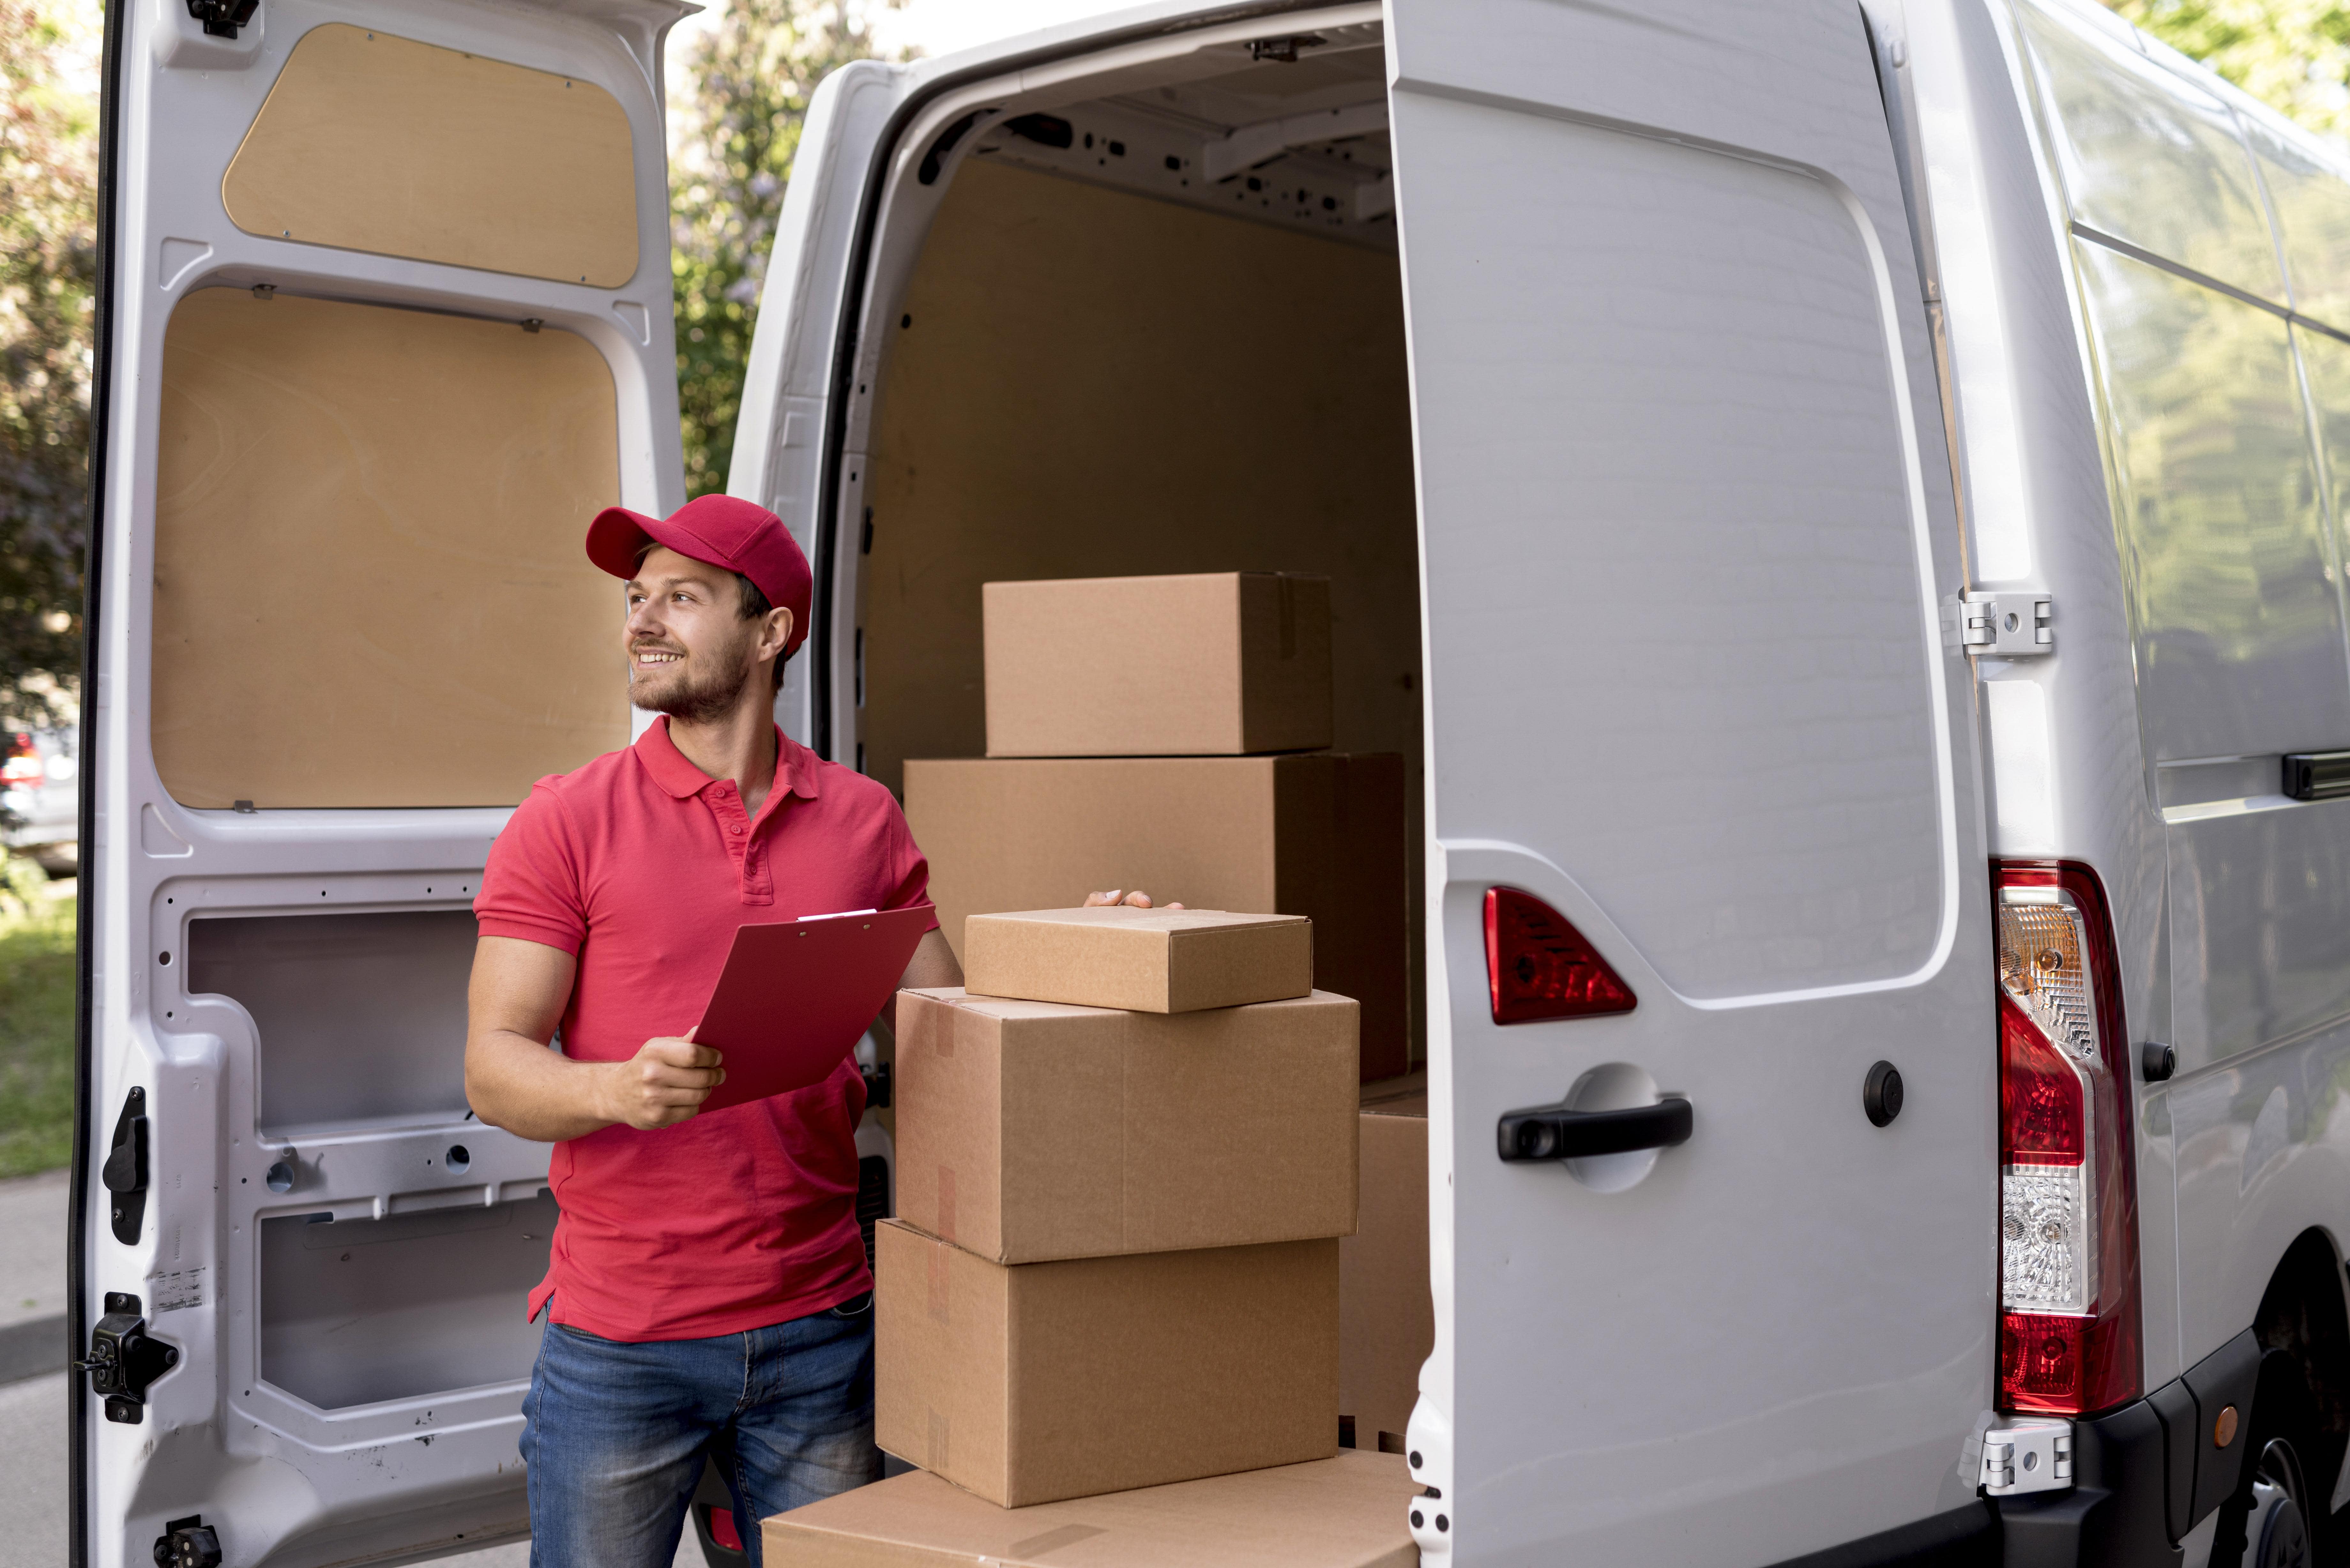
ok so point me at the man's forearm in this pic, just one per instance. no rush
(513, 1081)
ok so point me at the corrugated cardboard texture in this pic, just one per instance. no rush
(1029, 1131)
(1341, 1512)
(369, 584)
(1089, 387)
(1220, 663)
(1149, 960)
(1318, 835)
(1387, 1317)
(374, 143)
(1042, 1381)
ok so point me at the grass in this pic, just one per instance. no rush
(36, 1024)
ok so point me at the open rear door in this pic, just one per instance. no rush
(385, 318)
(1687, 519)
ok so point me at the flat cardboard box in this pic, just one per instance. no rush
(1386, 1317)
(1041, 1381)
(1029, 1131)
(1324, 836)
(1145, 960)
(1348, 1511)
(1214, 664)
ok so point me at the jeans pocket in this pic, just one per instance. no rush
(854, 1307)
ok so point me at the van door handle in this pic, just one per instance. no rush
(1555, 1132)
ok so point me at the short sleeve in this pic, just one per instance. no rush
(531, 888)
(909, 872)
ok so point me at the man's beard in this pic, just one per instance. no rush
(684, 695)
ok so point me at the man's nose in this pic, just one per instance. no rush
(641, 619)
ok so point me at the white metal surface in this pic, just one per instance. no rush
(407, 1441)
(2220, 415)
(1668, 354)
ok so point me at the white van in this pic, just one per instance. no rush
(1839, 503)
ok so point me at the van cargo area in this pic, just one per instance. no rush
(1111, 344)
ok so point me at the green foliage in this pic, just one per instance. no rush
(2291, 54)
(753, 77)
(48, 273)
(37, 1029)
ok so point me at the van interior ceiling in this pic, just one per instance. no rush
(1156, 330)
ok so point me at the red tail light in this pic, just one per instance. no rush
(2068, 1197)
(1539, 966)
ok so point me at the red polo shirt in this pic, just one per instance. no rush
(642, 866)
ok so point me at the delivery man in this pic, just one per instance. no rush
(707, 1279)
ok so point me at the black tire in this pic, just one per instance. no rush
(2279, 1458)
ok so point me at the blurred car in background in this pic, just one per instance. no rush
(40, 793)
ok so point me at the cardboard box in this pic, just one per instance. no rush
(1386, 1317)
(1037, 1381)
(1145, 960)
(1342, 1512)
(1029, 1131)
(1218, 664)
(1324, 836)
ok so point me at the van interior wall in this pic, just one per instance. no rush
(1083, 382)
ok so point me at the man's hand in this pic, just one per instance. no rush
(1114, 897)
(513, 1081)
(662, 1085)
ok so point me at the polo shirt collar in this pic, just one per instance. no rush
(795, 765)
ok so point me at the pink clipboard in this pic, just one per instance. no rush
(796, 995)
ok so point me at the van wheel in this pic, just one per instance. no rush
(2275, 1521)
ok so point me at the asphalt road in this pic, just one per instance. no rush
(33, 1407)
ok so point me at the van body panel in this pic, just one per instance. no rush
(2061, 734)
(359, 1400)
(2214, 404)
(782, 434)
(1629, 566)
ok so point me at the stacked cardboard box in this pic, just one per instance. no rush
(1125, 1154)
(1346, 1512)
(1163, 733)
(1386, 1319)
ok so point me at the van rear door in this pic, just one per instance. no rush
(384, 320)
(1687, 518)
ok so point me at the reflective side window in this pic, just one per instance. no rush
(2327, 360)
(2239, 626)
(2149, 159)
(2311, 201)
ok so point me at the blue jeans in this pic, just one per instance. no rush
(613, 1434)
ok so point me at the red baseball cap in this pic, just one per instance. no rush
(723, 530)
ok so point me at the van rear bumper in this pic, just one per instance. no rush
(2116, 1510)
(2115, 1514)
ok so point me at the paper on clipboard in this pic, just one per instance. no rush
(796, 995)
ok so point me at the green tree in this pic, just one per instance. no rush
(48, 273)
(753, 76)
(2291, 54)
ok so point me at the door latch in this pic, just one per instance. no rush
(123, 1360)
(125, 1172)
(188, 1542)
(222, 19)
(2002, 626)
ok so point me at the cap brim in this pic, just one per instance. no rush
(615, 537)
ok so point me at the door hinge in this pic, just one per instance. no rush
(125, 1171)
(1999, 626)
(2027, 1456)
(123, 1360)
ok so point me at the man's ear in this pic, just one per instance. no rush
(779, 630)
